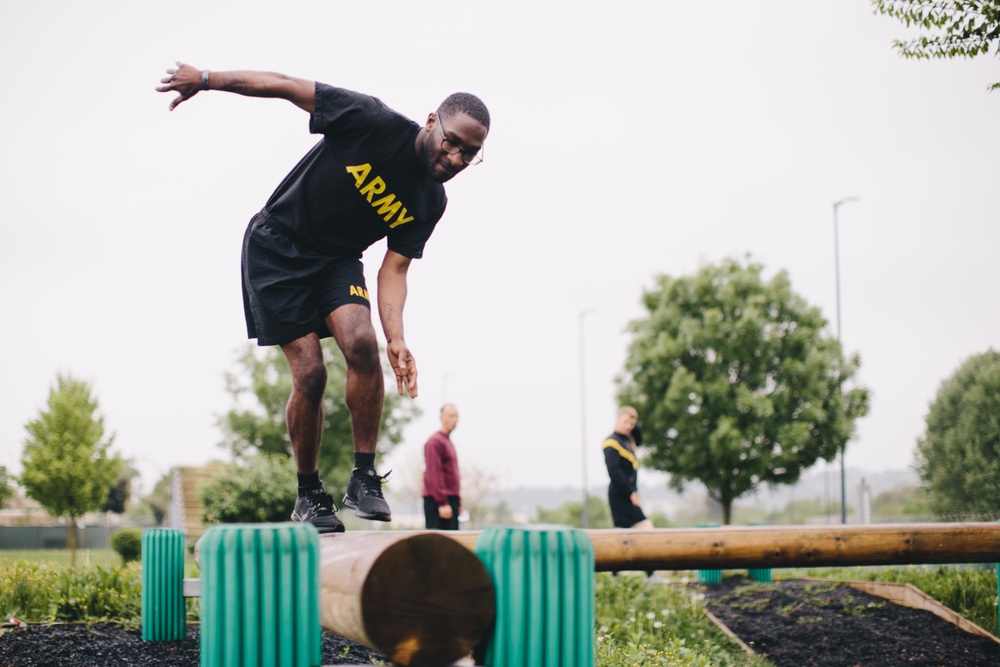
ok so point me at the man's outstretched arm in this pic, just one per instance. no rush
(188, 81)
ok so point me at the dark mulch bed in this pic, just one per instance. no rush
(798, 622)
(105, 644)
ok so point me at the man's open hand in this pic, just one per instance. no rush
(183, 79)
(404, 366)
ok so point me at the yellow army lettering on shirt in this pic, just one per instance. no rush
(357, 290)
(388, 205)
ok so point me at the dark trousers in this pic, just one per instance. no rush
(434, 520)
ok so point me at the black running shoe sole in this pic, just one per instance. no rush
(324, 525)
(377, 516)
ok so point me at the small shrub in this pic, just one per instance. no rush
(127, 542)
(41, 592)
(260, 489)
(98, 595)
(24, 588)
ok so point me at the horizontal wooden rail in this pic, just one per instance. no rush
(732, 547)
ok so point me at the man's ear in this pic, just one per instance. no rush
(431, 122)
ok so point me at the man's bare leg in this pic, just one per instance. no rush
(304, 411)
(351, 325)
(304, 416)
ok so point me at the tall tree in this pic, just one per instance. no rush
(260, 390)
(958, 456)
(735, 382)
(959, 28)
(66, 463)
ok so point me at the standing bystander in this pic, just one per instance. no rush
(442, 489)
(623, 469)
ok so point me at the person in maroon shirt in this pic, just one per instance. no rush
(442, 488)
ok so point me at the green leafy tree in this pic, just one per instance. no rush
(6, 486)
(958, 28)
(260, 389)
(260, 488)
(66, 464)
(901, 502)
(571, 513)
(735, 382)
(958, 456)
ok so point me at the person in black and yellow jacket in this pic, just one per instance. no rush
(623, 469)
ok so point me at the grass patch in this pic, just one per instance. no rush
(662, 624)
(85, 558)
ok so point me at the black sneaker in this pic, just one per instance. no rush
(364, 495)
(317, 507)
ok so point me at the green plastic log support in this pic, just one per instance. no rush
(163, 608)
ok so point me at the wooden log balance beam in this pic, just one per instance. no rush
(424, 598)
(737, 547)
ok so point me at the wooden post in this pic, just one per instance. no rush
(420, 599)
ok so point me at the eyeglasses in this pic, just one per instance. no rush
(450, 147)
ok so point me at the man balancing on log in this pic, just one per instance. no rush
(374, 174)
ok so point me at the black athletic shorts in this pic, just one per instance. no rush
(288, 289)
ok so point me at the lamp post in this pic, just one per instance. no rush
(836, 261)
(583, 421)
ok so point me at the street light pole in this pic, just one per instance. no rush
(583, 421)
(836, 260)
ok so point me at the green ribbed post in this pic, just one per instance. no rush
(260, 596)
(163, 608)
(544, 581)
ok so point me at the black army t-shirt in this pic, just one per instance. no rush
(361, 182)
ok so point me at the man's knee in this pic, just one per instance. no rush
(310, 379)
(361, 353)
(305, 360)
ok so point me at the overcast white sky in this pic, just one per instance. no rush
(629, 139)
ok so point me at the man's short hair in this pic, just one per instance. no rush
(466, 103)
(629, 409)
